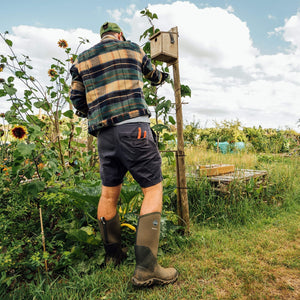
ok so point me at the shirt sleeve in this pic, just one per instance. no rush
(149, 70)
(77, 95)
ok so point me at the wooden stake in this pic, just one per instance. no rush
(43, 237)
(181, 180)
(179, 210)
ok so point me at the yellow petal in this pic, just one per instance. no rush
(129, 226)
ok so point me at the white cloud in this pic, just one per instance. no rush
(281, 66)
(230, 9)
(260, 102)
(118, 15)
(131, 9)
(115, 14)
(212, 35)
(291, 31)
(271, 17)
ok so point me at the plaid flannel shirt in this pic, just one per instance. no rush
(107, 83)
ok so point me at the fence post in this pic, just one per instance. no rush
(182, 196)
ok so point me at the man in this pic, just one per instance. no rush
(107, 88)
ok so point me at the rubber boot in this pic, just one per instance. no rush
(111, 235)
(147, 271)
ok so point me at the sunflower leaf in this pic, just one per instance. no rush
(25, 149)
(10, 90)
(69, 114)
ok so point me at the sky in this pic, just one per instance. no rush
(240, 58)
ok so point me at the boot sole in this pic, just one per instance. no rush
(152, 281)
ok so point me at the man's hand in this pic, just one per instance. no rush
(165, 76)
(80, 114)
(163, 79)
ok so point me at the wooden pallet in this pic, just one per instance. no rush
(239, 174)
(223, 182)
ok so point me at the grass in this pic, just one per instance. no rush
(198, 156)
(256, 261)
(245, 249)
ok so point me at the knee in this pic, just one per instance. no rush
(155, 190)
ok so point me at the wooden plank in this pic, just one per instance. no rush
(215, 170)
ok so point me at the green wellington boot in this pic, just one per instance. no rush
(147, 271)
(111, 235)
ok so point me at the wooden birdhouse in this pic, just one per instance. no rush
(164, 46)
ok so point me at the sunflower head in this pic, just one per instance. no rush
(52, 73)
(1, 67)
(2, 115)
(19, 132)
(62, 44)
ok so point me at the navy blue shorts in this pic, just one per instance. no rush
(129, 147)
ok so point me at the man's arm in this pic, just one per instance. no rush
(77, 96)
(151, 73)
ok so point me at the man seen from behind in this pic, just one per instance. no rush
(107, 88)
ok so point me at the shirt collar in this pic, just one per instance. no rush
(109, 37)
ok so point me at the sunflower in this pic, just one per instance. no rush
(19, 132)
(52, 73)
(1, 132)
(1, 67)
(62, 44)
(2, 115)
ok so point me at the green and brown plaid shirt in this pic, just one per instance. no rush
(107, 82)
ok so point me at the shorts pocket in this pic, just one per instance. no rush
(137, 136)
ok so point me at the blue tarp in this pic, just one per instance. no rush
(225, 147)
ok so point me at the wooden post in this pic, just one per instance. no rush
(182, 196)
(179, 210)
(43, 237)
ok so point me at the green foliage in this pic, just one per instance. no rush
(256, 139)
(37, 170)
(186, 91)
(271, 140)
